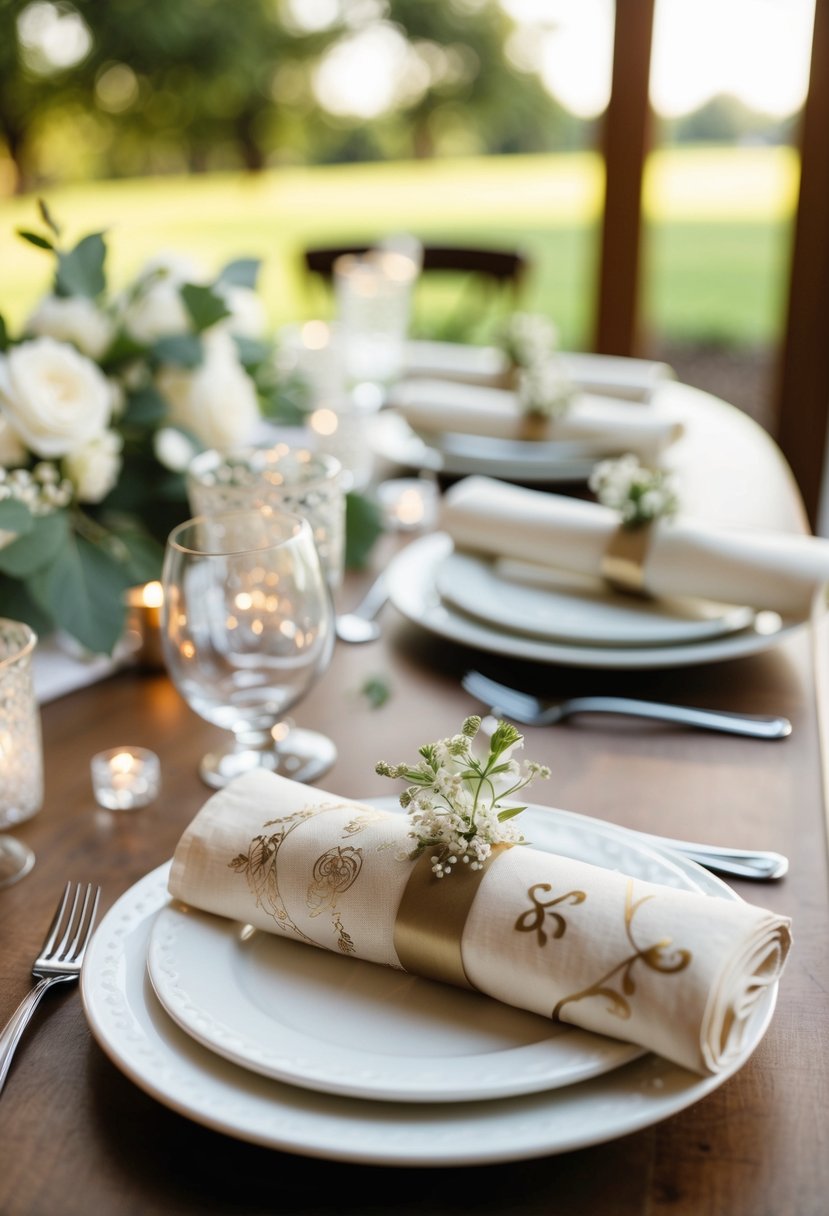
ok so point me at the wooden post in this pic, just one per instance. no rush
(625, 145)
(803, 383)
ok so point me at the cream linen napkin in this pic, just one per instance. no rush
(674, 971)
(685, 557)
(600, 426)
(610, 375)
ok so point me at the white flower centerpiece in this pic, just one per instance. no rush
(104, 400)
(460, 803)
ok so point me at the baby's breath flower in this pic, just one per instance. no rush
(529, 337)
(638, 493)
(460, 804)
(544, 388)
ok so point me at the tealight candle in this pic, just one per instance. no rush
(144, 624)
(409, 504)
(125, 778)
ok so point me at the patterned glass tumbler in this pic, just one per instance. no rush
(297, 480)
(21, 752)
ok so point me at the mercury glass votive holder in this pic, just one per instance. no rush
(21, 751)
(297, 480)
(125, 778)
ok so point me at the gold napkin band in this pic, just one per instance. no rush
(534, 427)
(432, 917)
(623, 561)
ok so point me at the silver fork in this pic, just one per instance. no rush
(58, 962)
(530, 711)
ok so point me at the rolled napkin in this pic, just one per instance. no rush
(609, 375)
(600, 426)
(681, 557)
(675, 971)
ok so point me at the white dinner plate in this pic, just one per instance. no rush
(413, 589)
(255, 998)
(133, 1029)
(579, 610)
(537, 462)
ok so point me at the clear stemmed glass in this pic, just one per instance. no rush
(248, 626)
(21, 758)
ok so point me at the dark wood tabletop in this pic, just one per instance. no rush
(76, 1136)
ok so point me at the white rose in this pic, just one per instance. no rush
(12, 451)
(55, 399)
(155, 308)
(173, 449)
(216, 401)
(94, 468)
(75, 319)
(247, 313)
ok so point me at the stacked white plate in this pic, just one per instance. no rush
(515, 609)
(282, 1045)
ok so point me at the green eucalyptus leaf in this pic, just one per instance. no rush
(38, 547)
(252, 351)
(363, 526)
(47, 217)
(145, 407)
(122, 349)
(377, 691)
(17, 604)
(81, 271)
(83, 588)
(204, 305)
(181, 350)
(34, 238)
(15, 517)
(146, 554)
(5, 340)
(243, 272)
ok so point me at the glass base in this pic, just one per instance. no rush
(16, 859)
(302, 755)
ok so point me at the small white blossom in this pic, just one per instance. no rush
(530, 338)
(94, 468)
(544, 388)
(638, 493)
(459, 803)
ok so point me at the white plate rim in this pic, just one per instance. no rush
(245, 1035)
(136, 1034)
(392, 438)
(486, 599)
(412, 590)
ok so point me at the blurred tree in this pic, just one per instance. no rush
(727, 119)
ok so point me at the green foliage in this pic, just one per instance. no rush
(82, 588)
(363, 526)
(203, 305)
(80, 272)
(182, 350)
(15, 517)
(376, 690)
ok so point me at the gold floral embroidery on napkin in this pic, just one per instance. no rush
(658, 957)
(532, 920)
(259, 868)
(360, 822)
(332, 875)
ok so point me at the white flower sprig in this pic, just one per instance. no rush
(542, 385)
(457, 801)
(544, 388)
(529, 338)
(638, 493)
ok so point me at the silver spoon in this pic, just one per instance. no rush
(360, 625)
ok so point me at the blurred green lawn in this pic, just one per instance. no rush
(719, 225)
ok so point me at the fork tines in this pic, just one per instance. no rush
(69, 930)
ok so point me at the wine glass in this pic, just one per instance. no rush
(248, 626)
(21, 755)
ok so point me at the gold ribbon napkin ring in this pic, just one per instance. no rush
(623, 561)
(432, 916)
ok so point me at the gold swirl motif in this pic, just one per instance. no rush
(653, 956)
(532, 920)
(259, 868)
(333, 873)
(362, 821)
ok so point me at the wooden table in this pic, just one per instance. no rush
(78, 1137)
